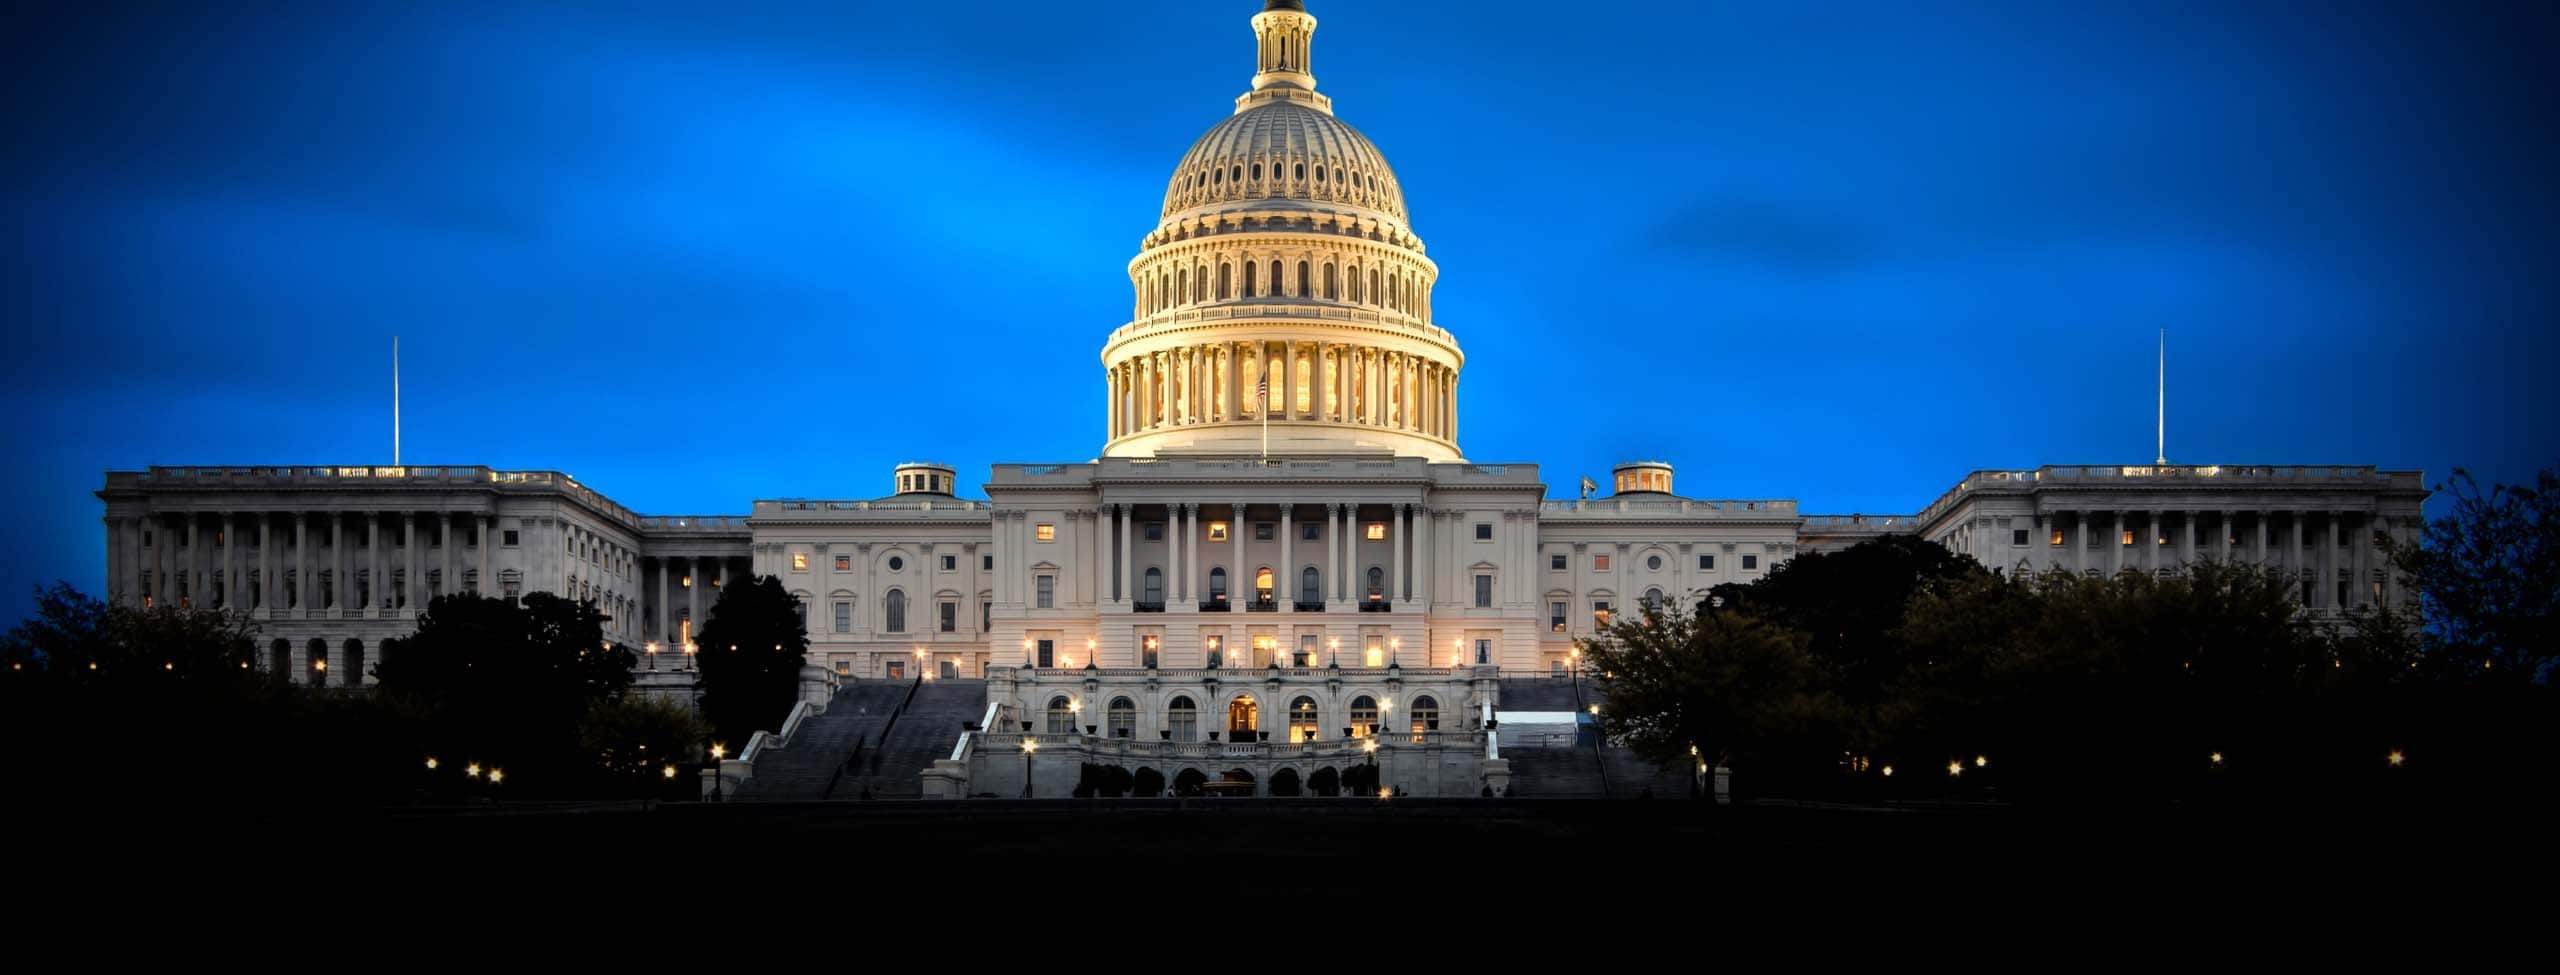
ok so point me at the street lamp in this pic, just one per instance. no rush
(717, 751)
(689, 649)
(652, 647)
(1337, 651)
(1029, 745)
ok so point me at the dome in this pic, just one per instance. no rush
(1285, 151)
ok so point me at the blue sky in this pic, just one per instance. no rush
(696, 255)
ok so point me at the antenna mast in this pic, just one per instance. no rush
(395, 401)
(2161, 434)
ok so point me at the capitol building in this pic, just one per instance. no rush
(1282, 558)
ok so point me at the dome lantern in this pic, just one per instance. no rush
(1642, 477)
(917, 477)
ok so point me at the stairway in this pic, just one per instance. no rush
(801, 769)
(1553, 773)
(1544, 694)
(928, 730)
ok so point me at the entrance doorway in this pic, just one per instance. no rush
(1243, 719)
(950, 669)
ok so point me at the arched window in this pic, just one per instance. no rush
(1218, 585)
(1154, 590)
(1308, 591)
(1262, 584)
(1182, 720)
(1276, 290)
(897, 612)
(1320, 174)
(280, 659)
(1303, 283)
(1373, 287)
(355, 662)
(1653, 600)
(1062, 719)
(1377, 583)
(1226, 280)
(1302, 719)
(1301, 172)
(1332, 283)
(318, 649)
(1248, 280)
(1257, 171)
(1239, 172)
(1364, 716)
(1181, 283)
(1426, 716)
(1355, 284)
(1122, 718)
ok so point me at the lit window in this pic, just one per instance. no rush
(2057, 536)
(1600, 613)
(1045, 533)
(844, 563)
(1217, 531)
(2128, 536)
(1599, 563)
(799, 561)
(1376, 656)
(1484, 531)
(1377, 531)
(1048, 653)
(1555, 617)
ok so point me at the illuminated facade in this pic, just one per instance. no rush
(1281, 551)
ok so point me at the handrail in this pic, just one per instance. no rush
(758, 742)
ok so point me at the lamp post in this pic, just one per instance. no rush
(652, 647)
(1337, 652)
(714, 751)
(1369, 747)
(1029, 745)
(689, 650)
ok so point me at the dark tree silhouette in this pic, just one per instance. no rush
(2487, 576)
(750, 656)
(496, 683)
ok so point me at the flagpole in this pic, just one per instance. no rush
(2161, 434)
(395, 401)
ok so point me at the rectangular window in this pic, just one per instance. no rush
(1311, 532)
(1048, 595)
(2128, 536)
(1045, 533)
(844, 668)
(2057, 536)
(1600, 613)
(950, 617)
(799, 561)
(897, 670)
(1262, 531)
(844, 563)
(1484, 651)
(844, 616)
(1484, 592)
(508, 538)
(987, 563)
(1750, 562)
(1377, 531)
(1048, 651)
(1556, 562)
(2018, 536)
(950, 563)
(1599, 563)
(1484, 531)
(1217, 531)
(1555, 617)
(986, 617)
(1154, 531)
(1707, 563)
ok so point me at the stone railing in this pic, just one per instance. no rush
(1774, 508)
(413, 476)
(2315, 475)
(695, 524)
(772, 508)
(1310, 309)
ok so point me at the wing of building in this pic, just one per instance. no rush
(1281, 549)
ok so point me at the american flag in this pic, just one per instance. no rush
(1262, 392)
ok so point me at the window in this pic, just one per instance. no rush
(1047, 595)
(1153, 591)
(1377, 583)
(1062, 719)
(1599, 563)
(1048, 651)
(1121, 720)
(950, 616)
(1217, 531)
(1218, 585)
(1750, 562)
(1707, 563)
(844, 668)
(987, 563)
(1484, 531)
(1302, 719)
(1600, 613)
(986, 617)
(1555, 617)
(1484, 591)
(1653, 563)
(896, 670)
(1556, 562)
(1262, 584)
(1426, 717)
(1151, 646)
(2057, 536)
(1308, 591)
(1306, 651)
(1311, 532)
(1044, 532)
(2128, 536)
(1653, 600)
(897, 611)
(844, 563)
(1262, 531)
(1364, 712)
(844, 616)
(1182, 720)
(1216, 652)
(2018, 536)
(1484, 651)
(1154, 531)
(799, 561)
(1377, 531)
(506, 538)
(897, 564)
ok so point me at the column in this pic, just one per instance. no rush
(1425, 562)
(2359, 545)
(452, 530)
(1396, 533)
(693, 594)
(2326, 590)
(1239, 576)
(1331, 581)
(230, 562)
(374, 580)
(488, 538)
(267, 578)
(663, 629)
(194, 569)
(2302, 557)
(342, 589)
(2080, 542)
(1124, 556)
(1177, 544)
(1284, 580)
(301, 562)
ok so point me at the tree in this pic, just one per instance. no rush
(498, 683)
(2487, 577)
(751, 653)
(1848, 604)
(639, 736)
(1739, 688)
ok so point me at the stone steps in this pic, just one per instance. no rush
(1554, 773)
(802, 769)
(929, 729)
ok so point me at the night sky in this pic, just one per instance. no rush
(696, 256)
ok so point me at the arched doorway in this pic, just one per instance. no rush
(1187, 785)
(280, 659)
(1117, 782)
(1244, 719)
(318, 649)
(355, 662)
(1302, 719)
(1234, 783)
(1148, 784)
(1284, 783)
(1326, 782)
